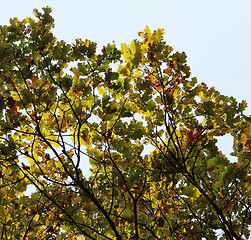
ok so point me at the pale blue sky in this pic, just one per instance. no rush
(215, 34)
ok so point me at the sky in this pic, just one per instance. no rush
(215, 34)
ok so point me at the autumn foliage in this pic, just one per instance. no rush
(148, 129)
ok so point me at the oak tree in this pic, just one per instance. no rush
(148, 129)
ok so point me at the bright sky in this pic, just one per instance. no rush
(215, 34)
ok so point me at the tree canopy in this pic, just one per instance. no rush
(148, 129)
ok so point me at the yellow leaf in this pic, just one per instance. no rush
(148, 31)
(21, 194)
(102, 91)
(170, 185)
(196, 192)
(36, 217)
(125, 51)
(203, 122)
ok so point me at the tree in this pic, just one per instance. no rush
(147, 128)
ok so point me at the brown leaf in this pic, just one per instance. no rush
(157, 84)
(25, 167)
(35, 81)
(190, 136)
(40, 153)
(160, 222)
(169, 96)
(74, 70)
(47, 156)
(109, 134)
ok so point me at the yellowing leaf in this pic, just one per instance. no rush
(102, 90)
(74, 70)
(147, 31)
(243, 139)
(36, 217)
(125, 51)
(35, 81)
(203, 122)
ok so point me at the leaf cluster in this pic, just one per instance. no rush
(148, 130)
